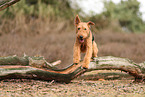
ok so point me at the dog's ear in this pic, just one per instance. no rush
(91, 23)
(77, 20)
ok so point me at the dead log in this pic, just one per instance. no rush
(6, 3)
(38, 68)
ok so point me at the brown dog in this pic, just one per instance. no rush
(84, 42)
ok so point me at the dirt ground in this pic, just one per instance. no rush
(77, 88)
(60, 46)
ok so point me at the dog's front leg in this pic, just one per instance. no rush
(76, 53)
(87, 56)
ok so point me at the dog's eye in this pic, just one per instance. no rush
(78, 28)
(85, 29)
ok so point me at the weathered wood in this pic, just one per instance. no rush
(6, 3)
(38, 68)
(116, 63)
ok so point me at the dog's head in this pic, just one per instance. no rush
(82, 29)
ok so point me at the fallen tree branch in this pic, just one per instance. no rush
(116, 63)
(6, 3)
(38, 68)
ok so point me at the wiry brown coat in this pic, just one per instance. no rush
(84, 42)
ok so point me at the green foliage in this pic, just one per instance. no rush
(40, 8)
(127, 13)
(31, 17)
(124, 15)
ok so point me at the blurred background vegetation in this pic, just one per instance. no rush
(46, 27)
(123, 17)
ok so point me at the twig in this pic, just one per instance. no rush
(56, 62)
(7, 4)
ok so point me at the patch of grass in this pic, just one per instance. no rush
(121, 45)
(60, 46)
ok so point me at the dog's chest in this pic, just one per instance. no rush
(83, 48)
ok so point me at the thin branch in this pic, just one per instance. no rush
(7, 3)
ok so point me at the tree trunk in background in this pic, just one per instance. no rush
(6, 3)
(38, 68)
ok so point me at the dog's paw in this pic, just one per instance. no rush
(85, 66)
(76, 61)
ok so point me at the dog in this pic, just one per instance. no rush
(84, 43)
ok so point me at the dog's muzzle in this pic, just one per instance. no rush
(81, 40)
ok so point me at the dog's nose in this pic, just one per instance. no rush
(81, 37)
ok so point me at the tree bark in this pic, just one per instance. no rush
(6, 3)
(38, 68)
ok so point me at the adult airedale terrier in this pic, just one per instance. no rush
(84, 43)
